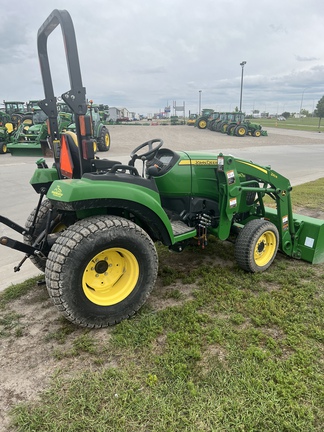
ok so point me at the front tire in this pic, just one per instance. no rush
(101, 270)
(256, 133)
(256, 245)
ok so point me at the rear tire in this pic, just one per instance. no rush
(40, 225)
(3, 148)
(240, 130)
(101, 270)
(202, 124)
(104, 139)
(256, 245)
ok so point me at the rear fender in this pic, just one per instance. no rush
(83, 194)
(43, 178)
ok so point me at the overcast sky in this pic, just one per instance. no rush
(145, 55)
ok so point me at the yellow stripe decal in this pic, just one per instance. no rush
(253, 166)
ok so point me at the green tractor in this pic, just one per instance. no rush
(5, 134)
(213, 120)
(17, 112)
(239, 126)
(11, 120)
(99, 132)
(30, 138)
(94, 229)
(27, 139)
(104, 113)
(202, 120)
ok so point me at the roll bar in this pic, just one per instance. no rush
(75, 98)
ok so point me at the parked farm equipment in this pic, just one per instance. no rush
(30, 138)
(96, 222)
(98, 129)
(192, 119)
(234, 123)
(202, 120)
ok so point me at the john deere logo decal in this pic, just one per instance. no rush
(57, 192)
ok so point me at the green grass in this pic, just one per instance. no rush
(305, 124)
(224, 351)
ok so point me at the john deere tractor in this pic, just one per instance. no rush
(202, 120)
(94, 229)
(99, 132)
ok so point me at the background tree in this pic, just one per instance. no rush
(286, 114)
(320, 110)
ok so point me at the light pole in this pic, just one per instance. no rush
(242, 64)
(199, 110)
(301, 103)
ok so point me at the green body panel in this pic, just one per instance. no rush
(193, 175)
(84, 189)
(44, 176)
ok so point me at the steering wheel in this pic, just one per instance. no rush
(149, 154)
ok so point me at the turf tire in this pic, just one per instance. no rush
(69, 266)
(256, 245)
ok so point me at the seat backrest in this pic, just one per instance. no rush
(70, 163)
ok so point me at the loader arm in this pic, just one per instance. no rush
(300, 236)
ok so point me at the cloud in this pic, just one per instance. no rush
(142, 56)
(306, 59)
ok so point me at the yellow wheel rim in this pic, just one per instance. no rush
(265, 248)
(202, 124)
(110, 276)
(107, 140)
(241, 131)
(257, 133)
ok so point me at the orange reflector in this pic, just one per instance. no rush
(82, 125)
(66, 163)
(48, 127)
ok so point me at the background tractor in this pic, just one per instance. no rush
(202, 120)
(192, 119)
(94, 229)
(99, 131)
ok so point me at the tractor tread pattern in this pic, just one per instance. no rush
(244, 245)
(59, 259)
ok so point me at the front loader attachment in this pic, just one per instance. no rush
(308, 240)
(25, 149)
(301, 237)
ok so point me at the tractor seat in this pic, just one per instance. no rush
(88, 165)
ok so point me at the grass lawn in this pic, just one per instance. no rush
(214, 349)
(310, 124)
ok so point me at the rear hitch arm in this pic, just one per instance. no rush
(11, 224)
